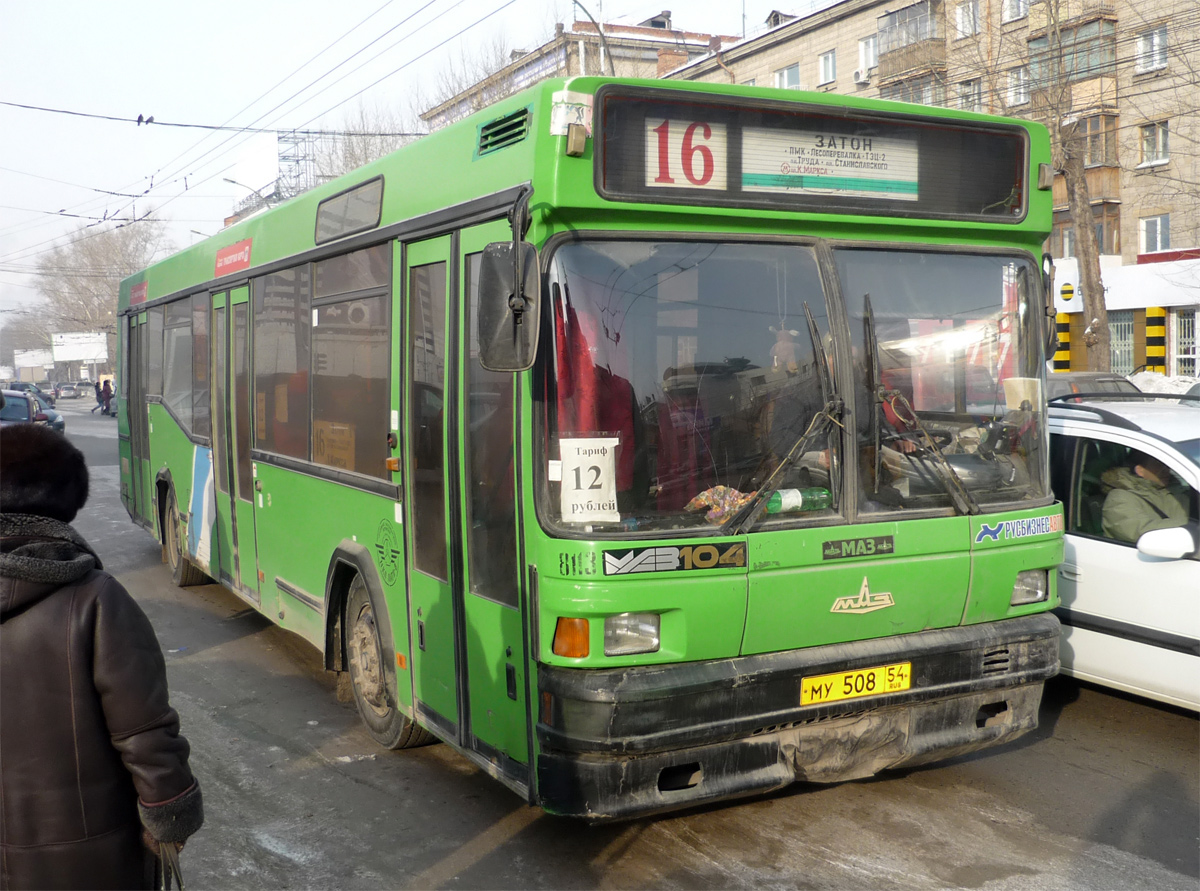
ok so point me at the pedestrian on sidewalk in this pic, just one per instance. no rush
(94, 781)
(106, 395)
(99, 398)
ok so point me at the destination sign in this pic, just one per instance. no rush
(661, 146)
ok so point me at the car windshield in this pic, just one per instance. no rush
(685, 376)
(15, 409)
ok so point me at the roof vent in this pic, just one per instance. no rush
(503, 132)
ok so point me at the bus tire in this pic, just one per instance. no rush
(184, 573)
(373, 694)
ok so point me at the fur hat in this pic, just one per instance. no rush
(41, 473)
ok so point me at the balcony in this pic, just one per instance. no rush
(1068, 11)
(923, 57)
(1104, 185)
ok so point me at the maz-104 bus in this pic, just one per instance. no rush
(649, 443)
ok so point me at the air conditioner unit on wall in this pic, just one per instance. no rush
(862, 76)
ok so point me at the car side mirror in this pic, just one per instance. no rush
(1168, 544)
(509, 318)
(41, 418)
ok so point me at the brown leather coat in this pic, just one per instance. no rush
(90, 751)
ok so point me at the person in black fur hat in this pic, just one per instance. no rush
(94, 780)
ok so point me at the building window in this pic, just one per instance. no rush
(1152, 50)
(1013, 10)
(1120, 340)
(868, 53)
(1106, 220)
(907, 26)
(827, 67)
(1100, 140)
(970, 95)
(788, 78)
(1018, 86)
(927, 90)
(1080, 53)
(1068, 240)
(749, 83)
(966, 18)
(1153, 144)
(1156, 233)
(1186, 352)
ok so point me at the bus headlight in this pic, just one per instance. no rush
(1033, 586)
(631, 633)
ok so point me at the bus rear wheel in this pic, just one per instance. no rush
(373, 695)
(184, 573)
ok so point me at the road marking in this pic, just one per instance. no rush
(476, 849)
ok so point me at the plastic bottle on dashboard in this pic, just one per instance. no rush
(789, 500)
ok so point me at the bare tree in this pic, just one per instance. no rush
(23, 329)
(370, 133)
(80, 278)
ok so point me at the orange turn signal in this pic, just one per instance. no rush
(393, 464)
(571, 638)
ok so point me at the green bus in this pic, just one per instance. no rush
(650, 443)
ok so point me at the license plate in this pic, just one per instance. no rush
(854, 684)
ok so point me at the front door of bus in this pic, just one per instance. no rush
(494, 639)
(469, 656)
(432, 606)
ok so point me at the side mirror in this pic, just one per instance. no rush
(509, 317)
(1168, 544)
(41, 418)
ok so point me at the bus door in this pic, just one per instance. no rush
(236, 559)
(486, 525)
(242, 470)
(223, 561)
(432, 606)
(139, 440)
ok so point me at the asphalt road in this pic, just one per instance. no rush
(1105, 794)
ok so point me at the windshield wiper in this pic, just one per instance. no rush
(964, 501)
(830, 414)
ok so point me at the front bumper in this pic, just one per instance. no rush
(632, 741)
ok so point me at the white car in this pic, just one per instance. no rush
(1130, 609)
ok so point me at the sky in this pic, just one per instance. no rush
(304, 64)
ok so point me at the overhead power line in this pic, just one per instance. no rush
(151, 122)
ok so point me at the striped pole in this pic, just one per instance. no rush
(1062, 357)
(1156, 339)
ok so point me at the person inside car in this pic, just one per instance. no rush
(1145, 495)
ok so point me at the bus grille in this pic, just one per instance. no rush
(996, 661)
(503, 132)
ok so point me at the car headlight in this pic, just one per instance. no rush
(1033, 586)
(630, 633)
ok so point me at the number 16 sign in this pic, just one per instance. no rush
(685, 154)
(589, 480)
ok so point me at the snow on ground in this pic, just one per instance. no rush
(1150, 382)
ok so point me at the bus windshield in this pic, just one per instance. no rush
(684, 374)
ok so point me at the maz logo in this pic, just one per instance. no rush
(865, 602)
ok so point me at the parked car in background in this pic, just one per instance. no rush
(1128, 475)
(53, 418)
(20, 407)
(31, 388)
(1066, 383)
(66, 390)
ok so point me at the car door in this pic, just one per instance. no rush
(1130, 621)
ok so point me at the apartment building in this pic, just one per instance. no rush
(1128, 71)
(647, 49)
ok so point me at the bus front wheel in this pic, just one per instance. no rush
(369, 676)
(183, 572)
